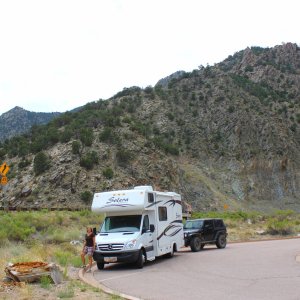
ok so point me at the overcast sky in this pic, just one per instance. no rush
(56, 55)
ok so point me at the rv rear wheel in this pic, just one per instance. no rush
(141, 260)
(171, 253)
(100, 265)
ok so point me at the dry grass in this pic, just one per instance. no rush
(45, 236)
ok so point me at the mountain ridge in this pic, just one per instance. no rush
(18, 120)
(223, 134)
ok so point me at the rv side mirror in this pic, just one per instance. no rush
(152, 228)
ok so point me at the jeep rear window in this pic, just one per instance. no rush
(219, 223)
(193, 224)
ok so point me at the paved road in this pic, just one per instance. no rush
(257, 270)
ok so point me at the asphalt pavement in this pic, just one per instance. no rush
(254, 270)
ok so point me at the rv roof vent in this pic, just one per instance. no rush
(144, 188)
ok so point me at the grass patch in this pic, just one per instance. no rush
(44, 236)
(45, 282)
(234, 216)
(280, 227)
(66, 293)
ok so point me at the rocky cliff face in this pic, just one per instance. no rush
(223, 134)
(19, 120)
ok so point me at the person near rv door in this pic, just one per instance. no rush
(88, 248)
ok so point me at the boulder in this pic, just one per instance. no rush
(26, 191)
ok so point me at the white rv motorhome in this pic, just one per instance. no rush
(140, 225)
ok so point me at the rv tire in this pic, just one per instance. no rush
(100, 265)
(171, 254)
(141, 259)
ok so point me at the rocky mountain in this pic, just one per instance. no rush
(19, 120)
(165, 81)
(223, 134)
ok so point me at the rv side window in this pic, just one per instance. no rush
(146, 225)
(162, 213)
(150, 197)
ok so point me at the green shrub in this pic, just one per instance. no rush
(24, 163)
(86, 136)
(170, 116)
(249, 69)
(107, 135)
(89, 160)
(2, 153)
(123, 156)
(15, 229)
(76, 147)
(52, 136)
(108, 173)
(231, 109)
(66, 135)
(172, 149)
(293, 127)
(228, 215)
(149, 91)
(41, 163)
(86, 196)
(282, 227)
(160, 142)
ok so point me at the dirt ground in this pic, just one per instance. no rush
(70, 288)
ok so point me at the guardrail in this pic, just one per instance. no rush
(13, 208)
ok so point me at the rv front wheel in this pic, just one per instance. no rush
(100, 265)
(141, 260)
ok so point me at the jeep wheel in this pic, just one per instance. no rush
(100, 265)
(196, 244)
(141, 260)
(221, 241)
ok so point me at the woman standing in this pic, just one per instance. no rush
(88, 248)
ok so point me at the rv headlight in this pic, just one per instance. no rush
(130, 244)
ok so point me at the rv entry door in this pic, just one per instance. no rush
(147, 237)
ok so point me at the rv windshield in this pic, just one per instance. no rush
(121, 224)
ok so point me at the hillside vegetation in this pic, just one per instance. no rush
(223, 134)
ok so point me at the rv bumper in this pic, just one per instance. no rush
(106, 257)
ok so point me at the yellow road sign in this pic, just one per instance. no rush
(4, 168)
(4, 180)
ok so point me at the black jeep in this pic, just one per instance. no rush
(199, 232)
